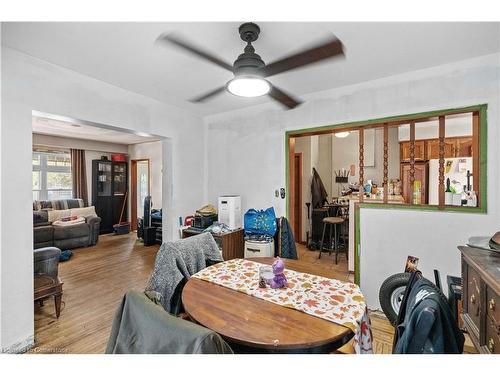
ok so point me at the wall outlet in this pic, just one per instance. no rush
(282, 193)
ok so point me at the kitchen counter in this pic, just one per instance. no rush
(394, 199)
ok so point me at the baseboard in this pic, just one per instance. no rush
(21, 346)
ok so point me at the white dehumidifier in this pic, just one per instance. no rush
(230, 211)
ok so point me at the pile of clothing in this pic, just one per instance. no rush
(263, 226)
(70, 220)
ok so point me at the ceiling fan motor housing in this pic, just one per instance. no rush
(248, 63)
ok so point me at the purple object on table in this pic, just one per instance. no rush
(279, 279)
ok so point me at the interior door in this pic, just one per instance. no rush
(297, 188)
(140, 188)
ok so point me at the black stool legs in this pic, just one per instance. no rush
(334, 241)
(323, 241)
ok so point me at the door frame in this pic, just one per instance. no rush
(133, 188)
(298, 214)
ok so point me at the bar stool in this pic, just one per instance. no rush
(333, 222)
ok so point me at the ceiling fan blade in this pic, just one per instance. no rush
(333, 47)
(282, 97)
(177, 41)
(208, 95)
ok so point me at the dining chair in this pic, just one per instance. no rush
(142, 326)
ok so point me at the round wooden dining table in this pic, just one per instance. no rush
(252, 325)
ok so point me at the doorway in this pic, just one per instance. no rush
(297, 196)
(140, 181)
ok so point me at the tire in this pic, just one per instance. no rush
(391, 293)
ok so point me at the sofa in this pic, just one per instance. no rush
(48, 230)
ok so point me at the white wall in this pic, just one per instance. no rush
(324, 167)
(247, 156)
(82, 144)
(153, 152)
(31, 84)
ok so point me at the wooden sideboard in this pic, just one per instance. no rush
(232, 244)
(481, 302)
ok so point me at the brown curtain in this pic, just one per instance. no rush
(79, 175)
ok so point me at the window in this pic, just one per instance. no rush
(435, 159)
(52, 175)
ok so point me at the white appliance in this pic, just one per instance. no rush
(455, 169)
(257, 249)
(230, 211)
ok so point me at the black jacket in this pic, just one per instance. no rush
(318, 192)
(428, 326)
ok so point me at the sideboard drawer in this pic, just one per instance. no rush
(481, 288)
(492, 337)
(492, 305)
(473, 296)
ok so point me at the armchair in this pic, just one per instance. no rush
(46, 276)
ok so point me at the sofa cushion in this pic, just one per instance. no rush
(40, 217)
(73, 231)
(55, 215)
(83, 211)
(43, 233)
(60, 204)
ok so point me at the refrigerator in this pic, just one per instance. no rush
(455, 169)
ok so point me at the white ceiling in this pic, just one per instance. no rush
(79, 130)
(124, 54)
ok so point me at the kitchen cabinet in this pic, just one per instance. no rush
(419, 150)
(421, 174)
(459, 147)
(433, 148)
(463, 147)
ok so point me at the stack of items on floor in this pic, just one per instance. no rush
(65, 224)
(268, 236)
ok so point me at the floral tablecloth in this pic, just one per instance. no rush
(334, 300)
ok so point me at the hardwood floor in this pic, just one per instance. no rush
(96, 278)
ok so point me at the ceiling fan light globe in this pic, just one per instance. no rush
(248, 87)
(341, 134)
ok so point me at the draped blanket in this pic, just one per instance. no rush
(177, 261)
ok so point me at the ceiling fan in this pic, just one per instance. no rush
(250, 72)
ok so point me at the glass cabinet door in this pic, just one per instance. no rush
(104, 179)
(120, 178)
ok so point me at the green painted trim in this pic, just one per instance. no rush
(357, 244)
(483, 157)
(389, 206)
(483, 153)
(408, 117)
(287, 176)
